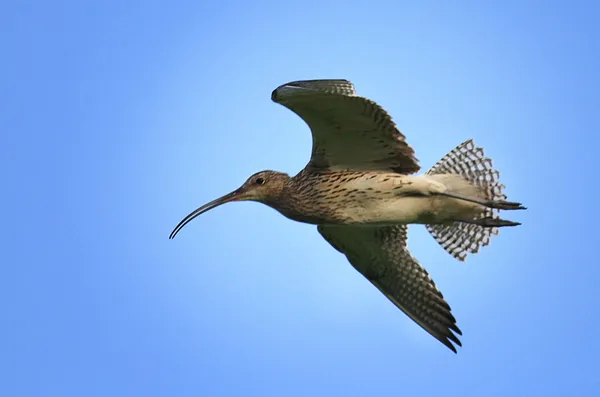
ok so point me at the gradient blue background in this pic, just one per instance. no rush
(118, 118)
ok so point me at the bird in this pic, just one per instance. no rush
(361, 190)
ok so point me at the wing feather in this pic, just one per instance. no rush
(379, 253)
(349, 132)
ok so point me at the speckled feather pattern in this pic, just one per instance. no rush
(338, 197)
(354, 136)
(467, 160)
(380, 254)
(317, 197)
(358, 189)
(349, 132)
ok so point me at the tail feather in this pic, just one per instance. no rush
(460, 239)
(469, 162)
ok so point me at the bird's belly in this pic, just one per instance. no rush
(411, 209)
(397, 210)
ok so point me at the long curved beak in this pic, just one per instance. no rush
(236, 195)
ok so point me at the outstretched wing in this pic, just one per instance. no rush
(349, 132)
(380, 254)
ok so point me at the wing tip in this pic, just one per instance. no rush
(342, 86)
(450, 346)
(450, 340)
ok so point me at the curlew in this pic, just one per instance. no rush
(359, 188)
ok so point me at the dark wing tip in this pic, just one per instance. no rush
(445, 333)
(455, 328)
(447, 340)
(454, 338)
(449, 345)
(327, 86)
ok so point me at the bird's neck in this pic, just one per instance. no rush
(307, 197)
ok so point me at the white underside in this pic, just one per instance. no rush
(403, 206)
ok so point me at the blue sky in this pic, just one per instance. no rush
(120, 117)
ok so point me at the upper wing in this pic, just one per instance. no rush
(349, 132)
(380, 254)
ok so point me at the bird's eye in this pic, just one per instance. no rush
(260, 181)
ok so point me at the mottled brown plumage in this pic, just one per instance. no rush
(358, 189)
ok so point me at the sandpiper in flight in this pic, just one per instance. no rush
(359, 188)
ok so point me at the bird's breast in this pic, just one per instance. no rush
(351, 198)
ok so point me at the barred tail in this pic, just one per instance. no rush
(468, 162)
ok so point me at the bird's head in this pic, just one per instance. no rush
(264, 187)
